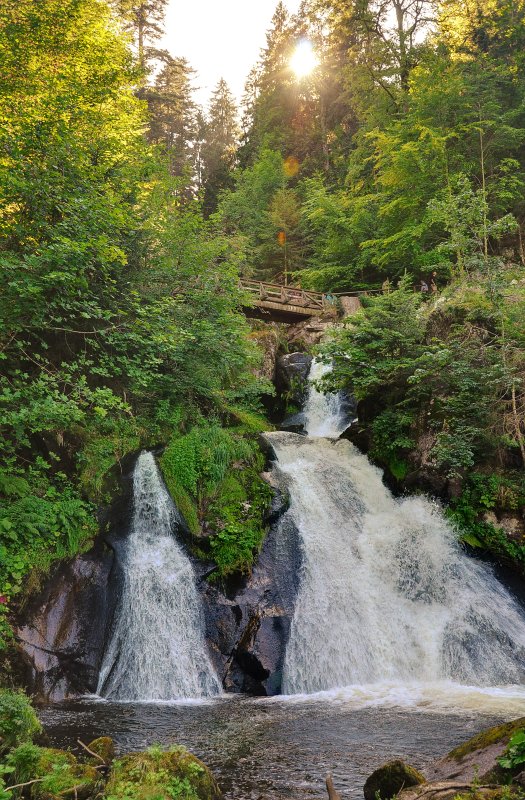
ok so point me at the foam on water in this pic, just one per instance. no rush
(389, 609)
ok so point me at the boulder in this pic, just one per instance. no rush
(349, 305)
(390, 779)
(62, 631)
(163, 775)
(248, 625)
(56, 773)
(478, 757)
(103, 748)
(291, 376)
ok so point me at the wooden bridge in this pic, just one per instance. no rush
(286, 303)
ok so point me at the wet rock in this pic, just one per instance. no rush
(248, 627)
(62, 632)
(161, 774)
(295, 423)
(478, 757)
(387, 781)
(104, 748)
(63, 628)
(291, 376)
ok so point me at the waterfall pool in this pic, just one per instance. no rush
(277, 749)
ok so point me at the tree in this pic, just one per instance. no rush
(145, 22)
(219, 147)
(174, 122)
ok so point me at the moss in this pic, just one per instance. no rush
(499, 733)
(387, 781)
(104, 747)
(237, 513)
(58, 772)
(183, 501)
(157, 774)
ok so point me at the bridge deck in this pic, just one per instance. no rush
(286, 302)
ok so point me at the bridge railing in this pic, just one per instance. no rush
(287, 295)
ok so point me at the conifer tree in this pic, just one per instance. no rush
(221, 136)
(173, 116)
(145, 21)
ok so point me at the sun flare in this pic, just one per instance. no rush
(304, 59)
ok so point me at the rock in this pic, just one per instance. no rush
(349, 305)
(519, 779)
(163, 775)
(390, 779)
(478, 757)
(268, 338)
(248, 628)
(104, 747)
(62, 774)
(448, 790)
(309, 332)
(62, 630)
(291, 376)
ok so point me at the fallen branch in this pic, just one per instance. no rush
(332, 794)
(91, 753)
(20, 785)
(455, 786)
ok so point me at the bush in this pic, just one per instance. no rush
(18, 721)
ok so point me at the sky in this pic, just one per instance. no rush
(219, 38)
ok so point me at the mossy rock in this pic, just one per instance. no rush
(159, 774)
(387, 781)
(499, 733)
(104, 747)
(58, 772)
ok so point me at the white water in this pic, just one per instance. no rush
(324, 415)
(388, 606)
(157, 650)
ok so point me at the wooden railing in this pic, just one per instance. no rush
(287, 295)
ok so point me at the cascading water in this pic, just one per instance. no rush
(324, 414)
(386, 595)
(157, 650)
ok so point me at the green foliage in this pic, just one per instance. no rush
(18, 721)
(212, 473)
(120, 304)
(489, 493)
(391, 438)
(56, 772)
(158, 774)
(514, 755)
(236, 512)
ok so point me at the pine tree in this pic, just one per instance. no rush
(221, 136)
(145, 20)
(173, 116)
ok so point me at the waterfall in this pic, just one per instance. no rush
(157, 649)
(324, 413)
(386, 593)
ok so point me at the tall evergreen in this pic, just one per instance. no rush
(174, 117)
(219, 147)
(145, 21)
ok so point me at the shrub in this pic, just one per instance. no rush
(18, 721)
